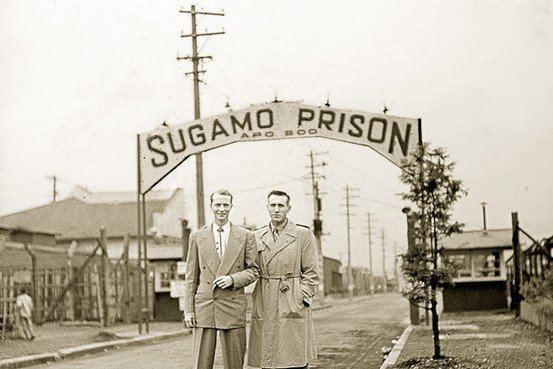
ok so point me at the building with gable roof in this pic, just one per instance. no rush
(80, 216)
(480, 282)
(77, 220)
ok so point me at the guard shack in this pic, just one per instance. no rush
(480, 283)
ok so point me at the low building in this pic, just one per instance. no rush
(333, 281)
(480, 282)
(77, 220)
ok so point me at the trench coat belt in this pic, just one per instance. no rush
(280, 277)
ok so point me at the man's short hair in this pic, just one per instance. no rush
(220, 192)
(279, 193)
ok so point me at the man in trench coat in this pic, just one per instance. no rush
(281, 332)
(220, 263)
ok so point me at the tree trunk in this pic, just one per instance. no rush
(435, 329)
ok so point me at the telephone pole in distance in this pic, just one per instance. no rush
(54, 189)
(348, 215)
(384, 276)
(371, 270)
(317, 207)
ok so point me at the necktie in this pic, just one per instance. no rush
(220, 230)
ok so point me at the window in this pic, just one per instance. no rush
(486, 265)
(164, 274)
(462, 264)
(477, 264)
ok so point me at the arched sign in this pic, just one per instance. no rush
(165, 148)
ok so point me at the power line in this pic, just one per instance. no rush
(269, 186)
(369, 199)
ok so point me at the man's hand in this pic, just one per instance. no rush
(223, 282)
(190, 320)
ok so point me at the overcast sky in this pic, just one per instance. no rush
(79, 79)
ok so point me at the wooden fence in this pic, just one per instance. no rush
(74, 293)
(535, 260)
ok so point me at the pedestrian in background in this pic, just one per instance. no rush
(281, 332)
(24, 310)
(220, 263)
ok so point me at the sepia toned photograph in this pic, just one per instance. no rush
(233, 184)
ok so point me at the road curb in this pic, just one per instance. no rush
(396, 351)
(92, 348)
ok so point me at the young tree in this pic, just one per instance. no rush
(433, 191)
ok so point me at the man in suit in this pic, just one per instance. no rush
(220, 263)
(281, 332)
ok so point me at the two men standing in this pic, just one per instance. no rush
(223, 259)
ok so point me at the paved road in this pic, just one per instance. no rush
(350, 334)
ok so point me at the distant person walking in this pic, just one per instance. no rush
(24, 310)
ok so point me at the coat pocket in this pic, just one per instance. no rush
(290, 299)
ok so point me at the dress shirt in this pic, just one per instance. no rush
(224, 235)
(275, 232)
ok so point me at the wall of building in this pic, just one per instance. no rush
(332, 277)
(475, 296)
(166, 308)
(168, 223)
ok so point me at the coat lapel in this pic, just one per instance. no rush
(209, 251)
(267, 240)
(232, 250)
(288, 236)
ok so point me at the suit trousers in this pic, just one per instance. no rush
(233, 347)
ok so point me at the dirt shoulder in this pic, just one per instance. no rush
(482, 340)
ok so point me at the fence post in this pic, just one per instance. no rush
(70, 306)
(516, 263)
(103, 306)
(4, 284)
(126, 289)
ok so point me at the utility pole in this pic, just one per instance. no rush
(396, 275)
(384, 277)
(517, 297)
(54, 189)
(195, 58)
(371, 270)
(484, 213)
(317, 206)
(348, 215)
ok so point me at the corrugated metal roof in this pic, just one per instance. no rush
(478, 239)
(74, 218)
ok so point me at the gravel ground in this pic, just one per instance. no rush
(501, 341)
